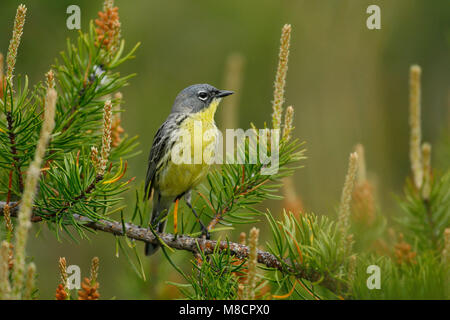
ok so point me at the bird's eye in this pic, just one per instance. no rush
(202, 95)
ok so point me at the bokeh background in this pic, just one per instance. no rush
(347, 84)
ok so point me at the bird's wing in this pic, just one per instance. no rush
(159, 143)
(160, 147)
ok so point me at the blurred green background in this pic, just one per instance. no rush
(347, 84)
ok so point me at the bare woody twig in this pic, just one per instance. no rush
(182, 242)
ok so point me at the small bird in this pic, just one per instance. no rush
(170, 180)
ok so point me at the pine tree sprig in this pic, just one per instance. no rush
(346, 198)
(25, 211)
(308, 248)
(11, 58)
(415, 125)
(280, 78)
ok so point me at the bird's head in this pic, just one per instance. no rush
(198, 97)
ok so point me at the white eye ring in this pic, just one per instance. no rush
(203, 95)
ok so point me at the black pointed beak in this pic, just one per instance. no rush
(223, 93)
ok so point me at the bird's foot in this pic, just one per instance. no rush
(205, 233)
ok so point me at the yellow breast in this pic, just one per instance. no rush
(175, 178)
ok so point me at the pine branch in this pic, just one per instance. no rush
(181, 242)
(227, 207)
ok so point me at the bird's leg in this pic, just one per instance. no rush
(175, 216)
(205, 232)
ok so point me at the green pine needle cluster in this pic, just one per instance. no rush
(308, 247)
(213, 277)
(425, 220)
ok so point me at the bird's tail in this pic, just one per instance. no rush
(161, 207)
